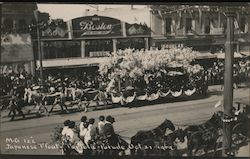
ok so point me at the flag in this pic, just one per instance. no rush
(179, 25)
(191, 15)
(159, 12)
(217, 104)
(200, 17)
(236, 25)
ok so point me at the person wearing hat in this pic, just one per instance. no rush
(109, 132)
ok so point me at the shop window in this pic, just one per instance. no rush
(168, 25)
(22, 26)
(33, 21)
(189, 25)
(98, 48)
(131, 43)
(242, 24)
(61, 49)
(8, 25)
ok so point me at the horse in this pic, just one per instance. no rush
(215, 121)
(32, 96)
(151, 134)
(204, 136)
(165, 145)
(206, 140)
(103, 147)
(36, 98)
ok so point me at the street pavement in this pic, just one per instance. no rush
(33, 135)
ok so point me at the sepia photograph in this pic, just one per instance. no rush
(131, 80)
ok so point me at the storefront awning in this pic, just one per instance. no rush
(222, 55)
(67, 63)
(206, 56)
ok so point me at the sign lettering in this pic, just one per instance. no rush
(96, 26)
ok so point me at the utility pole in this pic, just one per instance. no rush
(39, 48)
(228, 84)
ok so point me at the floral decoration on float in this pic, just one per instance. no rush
(152, 74)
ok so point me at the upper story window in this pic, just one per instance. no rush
(242, 24)
(168, 25)
(8, 25)
(207, 26)
(188, 25)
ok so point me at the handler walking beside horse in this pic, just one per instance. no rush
(16, 104)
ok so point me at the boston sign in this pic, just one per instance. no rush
(96, 26)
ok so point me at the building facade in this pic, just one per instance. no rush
(17, 53)
(86, 41)
(201, 27)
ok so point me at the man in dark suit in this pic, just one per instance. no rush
(109, 132)
(16, 105)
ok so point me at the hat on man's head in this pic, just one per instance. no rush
(91, 121)
(72, 124)
(83, 119)
(113, 119)
(66, 122)
(110, 119)
(101, 118)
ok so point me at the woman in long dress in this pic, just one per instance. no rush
(72, 143)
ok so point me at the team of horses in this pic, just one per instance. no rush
(203, 136)
(67, 97)
(156, 142)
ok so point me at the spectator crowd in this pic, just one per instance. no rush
(80, 139)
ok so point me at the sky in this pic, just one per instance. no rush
(70, 11)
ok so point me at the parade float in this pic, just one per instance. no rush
(131, 75)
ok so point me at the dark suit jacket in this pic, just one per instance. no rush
(110, 134)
